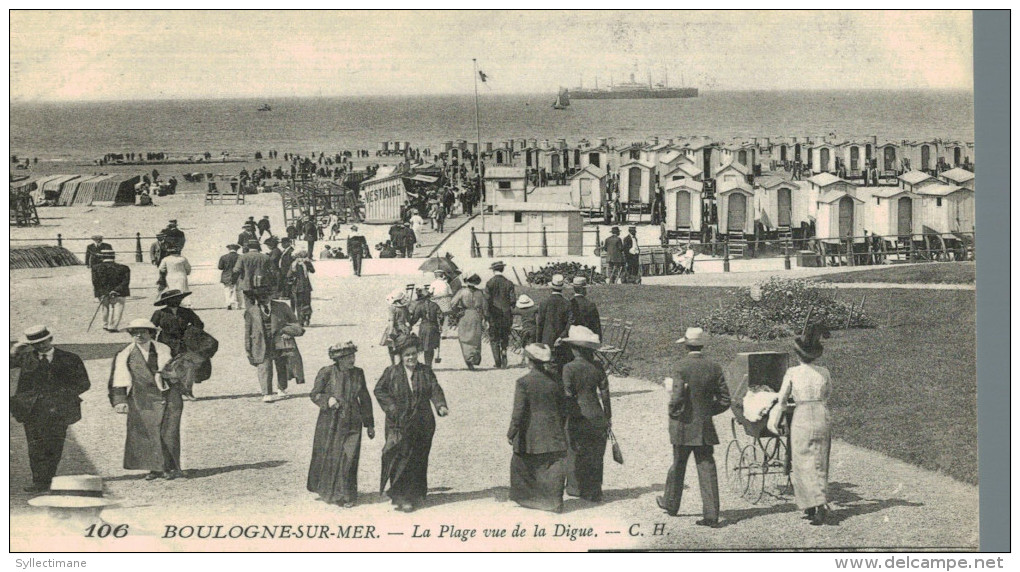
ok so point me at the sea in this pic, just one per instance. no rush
(84, 131)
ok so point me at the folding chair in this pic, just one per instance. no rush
(611, 355)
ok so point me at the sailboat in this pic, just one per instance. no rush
(562, 100)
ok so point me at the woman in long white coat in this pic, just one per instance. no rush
(173, 271)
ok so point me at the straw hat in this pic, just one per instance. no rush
(397, 297)
(233, 246)
(37, 334)
(498, 265)
(525, 302)
(538, 352)
(694, 337)
(581, 336)
(140, 324)
(73, 491)
(579, 281)
(342, 350)
(169, 295)
(557, 282)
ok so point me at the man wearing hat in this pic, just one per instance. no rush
(157, 250)
(46, 400)
(501, 297)
(263, 226)
(266, 322)
(174, 236)
(254, 269)
(111, 284)
(699, 393)
(311, 233)
(553, 321)
(173, 321)
(286, 260)
(430, 315)
(247, 235)
(584, 312)
(77, 500)
(152, 405)
(632, 254)
(409, 240)
(357, 248)
(275, 255)
(614, 254)
(227, 277)
(92, 251)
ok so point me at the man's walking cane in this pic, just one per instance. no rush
(102, 301)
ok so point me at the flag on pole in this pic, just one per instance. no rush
(482, 76)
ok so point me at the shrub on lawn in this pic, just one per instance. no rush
(568, 269)
(777, 308)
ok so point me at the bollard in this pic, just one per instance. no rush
(726, 258)
(786, 258)
(545, 244)
(138, 247)
(475, 249)
(60, 240)
(598, 238)
(490, 245)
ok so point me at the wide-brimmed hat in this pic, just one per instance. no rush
(397, 297)
(581, 336)
(538, 352)
(405, 341)
(73, 491)
(233, 246)
(342, 350)
(37, 334)
(498, 265)
(140, 324)
(694, 337)
(809, 343)
(525, 302)
(557, 282)
(170, 295)
(473, 280)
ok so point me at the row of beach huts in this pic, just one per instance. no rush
(80, 190)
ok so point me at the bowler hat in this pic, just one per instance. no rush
(167, 296)
(615, 230)
(73, 491)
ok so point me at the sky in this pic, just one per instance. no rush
(120, 55)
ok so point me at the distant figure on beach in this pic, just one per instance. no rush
(175, 238)
(614, 255)
(357, 248)
(46, 400)
(632, 255)
(92, 251)
(399, 322)
(264, 226)
(430, 317)
(500, 297)
(471, 301)
(345, 406)
(157, 250)
(111, 285)
(299, 279)
(174, 270)
(254, 270)
(311, 234)
(229, 279)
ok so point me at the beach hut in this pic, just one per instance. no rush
(823, 157)
(637, 181)
(826, 182)
(742, 153)
(518, 230)
(595, 156)
(553, 160)
(504, 185)
(919, 155)
(588, 187)
(632, 152)
(888, 156)
(703, 153)
(69, 193)
(782, 203)
(894, 212)
(685, 170)
(384, 195)
(732, 171)
(669, 162)
(855, 156)
(87, 190)
(39, 194)
(735, 200)
(960, 177)
(915, 180)
(684, 203)
(838, 215)
(114, 191)
(947, 208)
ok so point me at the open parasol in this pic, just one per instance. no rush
(443, 263)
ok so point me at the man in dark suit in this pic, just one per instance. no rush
(111, 285)
(286, 258)
(263, 226)
(397, 238)
(357, 247)
(228, 278)
(631, 253)
(92, 251)
(174, 236)
(247, 235)
(46, 400)
(699, 393)
(553, 322)
(254, 269)
(614, 255)
(500, 297)
(265, 321)
(275, 256)
(584, 312)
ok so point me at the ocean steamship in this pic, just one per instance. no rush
(634, 90)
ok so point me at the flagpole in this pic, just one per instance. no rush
(478, 141)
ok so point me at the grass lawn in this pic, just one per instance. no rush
(934, 273)
(907, 388)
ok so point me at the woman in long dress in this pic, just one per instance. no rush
(537, 435)
(344, 408)
(299, 280)
(471, 301)
(399, 323)
(810, 436)
(406, 392)
(588, 419)
(430, 316)
(173, 271)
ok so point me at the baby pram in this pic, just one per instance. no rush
(757, 459)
